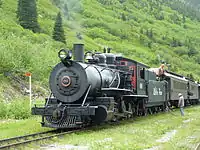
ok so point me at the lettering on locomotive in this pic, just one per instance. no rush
(157, 91)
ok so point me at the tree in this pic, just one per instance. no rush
(58, 33)
(0, 3)
(27, 15)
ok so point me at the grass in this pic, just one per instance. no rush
(11, 127)
(137, 134)
(189, 133)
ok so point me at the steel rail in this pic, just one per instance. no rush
(24, 136)
(24, 139)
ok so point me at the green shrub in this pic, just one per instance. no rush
(3, 110)
(17, 109)
(0, 3)
(101, 33)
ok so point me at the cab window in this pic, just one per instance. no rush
(141, 71)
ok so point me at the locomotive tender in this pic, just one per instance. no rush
(107, 87)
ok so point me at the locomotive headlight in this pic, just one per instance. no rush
(62, 54)
(65, 54)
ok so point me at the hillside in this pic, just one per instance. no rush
(149, 31)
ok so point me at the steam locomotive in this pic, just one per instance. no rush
(100, 87)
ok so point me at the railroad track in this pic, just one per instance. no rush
(26, 139)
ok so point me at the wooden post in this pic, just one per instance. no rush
(28, 74)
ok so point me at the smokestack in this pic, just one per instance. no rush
(79, 52)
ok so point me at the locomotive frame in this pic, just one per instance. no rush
(108, 88)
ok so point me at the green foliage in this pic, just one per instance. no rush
(185, 7)
(197, 59)
(124, 18)
(27, 15)
(181, 51)
(108, 2)
(18, 109)
(58, 33)
(150, 25)
(192, 52)
(1, 3)
(100, 33)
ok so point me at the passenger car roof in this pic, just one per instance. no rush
(176, 77)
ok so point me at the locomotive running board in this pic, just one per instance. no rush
(114, 91)
(145, 96)
(117, 89)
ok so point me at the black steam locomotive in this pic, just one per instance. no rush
(107, 87)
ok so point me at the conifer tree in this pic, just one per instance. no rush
(27, 15)
(58, 33)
